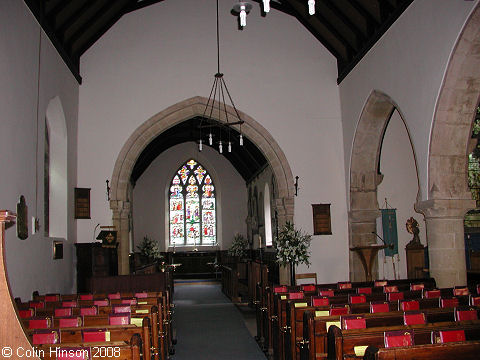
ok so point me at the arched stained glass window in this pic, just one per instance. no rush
(192, 215)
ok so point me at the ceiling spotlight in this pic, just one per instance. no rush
(242, 8)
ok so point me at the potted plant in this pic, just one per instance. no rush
(292, 247)
(149, 249)
(239, 246)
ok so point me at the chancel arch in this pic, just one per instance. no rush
(166, 119)
(365, 175)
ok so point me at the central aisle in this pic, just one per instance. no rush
(210, 327)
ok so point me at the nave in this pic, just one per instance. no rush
(209, 326)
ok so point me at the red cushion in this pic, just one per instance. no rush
(45, 337)
(364, 290)
(413, 318)
(94, 335)
(357, 299)
(394, 296)
(280, 289)
(407, 305)
(339, 310)
(117, 309)
(380, 283)
(398, 338)
(114, 296)
(320, 301)
(449, 303)
(63, 312)
(344, 285)
(74, 354)
(430, 294)
(295, 295)
(52, 297)
(353, 322)
(24, 314)
(36, 304)
(379, 307)
(73, 321)
(460, 291)
(324, 292)
(89, 310)
(119, 319)
(390, 288)
(414, 287)
(40, 323)
(141, 295)
(103, 302)
(131, 301)
(70, 303)
(85, 297)
(444, 336)
(462, 315)
(475, 300)
(309, 288)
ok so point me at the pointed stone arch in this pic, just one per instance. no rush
(171, 116)
(448, 197)
(364, 174)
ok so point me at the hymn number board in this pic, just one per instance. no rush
(322, 224)
(82, 203)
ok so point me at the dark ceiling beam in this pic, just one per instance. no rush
(372, 23)
(335, 52)
(137, 5)
(333, 6)
(385, 9)
(331, 28)
(373, 39)
(72, 62)
(74, 17)
(103, 29)
(61, 5)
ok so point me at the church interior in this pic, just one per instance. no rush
(354, 121)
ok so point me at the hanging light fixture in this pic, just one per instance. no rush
(266, 6)
(216, 105)
(243, 8)
(311, 7)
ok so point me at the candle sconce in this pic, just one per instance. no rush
(296, 185)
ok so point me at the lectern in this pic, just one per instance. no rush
(367, 254)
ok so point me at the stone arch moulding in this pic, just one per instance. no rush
(449, 197)
(364, 176)
(171, 116)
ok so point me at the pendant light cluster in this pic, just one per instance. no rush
(242, 8)
(216, 105)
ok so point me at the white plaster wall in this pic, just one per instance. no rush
(276, 72)
(399, 187)
(150, 195)
(29, 262)
(408, 63)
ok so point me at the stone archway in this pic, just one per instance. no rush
(449, 197)
(364, 176)
(150, 129)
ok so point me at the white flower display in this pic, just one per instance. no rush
(292, 246)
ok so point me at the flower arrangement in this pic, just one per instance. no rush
(239, 246)
(149, 249)
(292, 246)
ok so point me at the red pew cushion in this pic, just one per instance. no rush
(357, 299)
(102, 302)
(280, 289)
(344, 285)
(474, 300)
(364, 290)
(89, 310)
(119, 308)
(46, 337)
(114, 296)
(320, 301)
(343, 310)
(378, 307)
(295, 295)
(141, 295)
(119, 319)
(353, 322)
(408, 305)
(448, 303)
(459, 291)
(326, 292)
(52, 297)
(36, 304)
(430, 294)
(390, 288)
(394, 296)
(40, 323)
(95, 335)
(398, 338)
(24, 314)
(444, 336)
(63, 311)
(414, 318)
(380, 283)
(72, 321)
(85, 297)
(465, 314)
(419, 286)
(69, 303)
(308, 288)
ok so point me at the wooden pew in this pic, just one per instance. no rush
(465, 350)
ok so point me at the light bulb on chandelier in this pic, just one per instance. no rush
(311, 7)
(220, 147)
(242, 8)
(266, 6)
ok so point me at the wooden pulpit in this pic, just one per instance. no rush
(367, 254)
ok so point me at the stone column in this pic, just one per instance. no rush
(363, 218)
(445, 239)
(121, 212)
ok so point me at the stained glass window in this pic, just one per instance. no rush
(192, 209)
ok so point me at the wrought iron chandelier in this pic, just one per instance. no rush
(216, 105)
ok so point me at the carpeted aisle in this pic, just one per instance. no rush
(210, 327)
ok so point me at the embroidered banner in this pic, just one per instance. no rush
(389, 224)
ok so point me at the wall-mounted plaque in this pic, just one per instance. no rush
(82, 203)
(322, 224)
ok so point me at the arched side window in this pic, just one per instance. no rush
(192, 206)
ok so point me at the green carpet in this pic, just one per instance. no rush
(210, 327)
